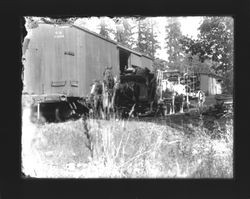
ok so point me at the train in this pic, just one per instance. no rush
(61, 61)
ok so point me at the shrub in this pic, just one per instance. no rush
(131, 149)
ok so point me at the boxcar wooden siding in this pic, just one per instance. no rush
(32, 69)
(136, 60)
(81, 61)
(146, 62)
(99, 54)
(59, 54)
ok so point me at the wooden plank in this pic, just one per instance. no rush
(136, 60)
(146, 62)
(100, 54)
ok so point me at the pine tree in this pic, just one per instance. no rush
(173, 46)
(104, 30)
(146, 42)
(124, 33)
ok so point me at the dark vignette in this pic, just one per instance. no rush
(11, 183)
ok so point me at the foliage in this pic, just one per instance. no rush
(81, 22)
(124, 32)
(146, 42)
(55, 20)
(216, 35)
(104, 30)
(127, 148)
(215, 42)
(192, 63)
(173, 35)
(159, 64)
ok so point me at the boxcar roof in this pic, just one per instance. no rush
(133, 51)
(106, 39)
(109, 40)
(93, 33)
(128, 49)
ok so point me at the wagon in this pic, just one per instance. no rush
(177, 90)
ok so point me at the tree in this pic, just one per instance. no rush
(191, 63)
(146, 42)
(159, 64)
(216, 37)
(124, 33)
(81, 22)
(173, 46)
(104, 30)
(66, 20)
(215, 43)
(154, 43)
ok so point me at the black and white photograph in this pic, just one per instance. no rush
(128, 97)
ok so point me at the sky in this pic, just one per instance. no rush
(189, 26)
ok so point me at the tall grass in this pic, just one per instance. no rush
(92, 148)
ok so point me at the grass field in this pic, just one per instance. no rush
(154, 148)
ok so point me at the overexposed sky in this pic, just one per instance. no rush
(189, 26)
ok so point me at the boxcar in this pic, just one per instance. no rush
(62, 61)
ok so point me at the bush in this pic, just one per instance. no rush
(131, 149)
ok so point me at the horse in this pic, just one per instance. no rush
(108, 91)
(96, 98)
(172, 91)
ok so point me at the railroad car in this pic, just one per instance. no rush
(62, 61)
